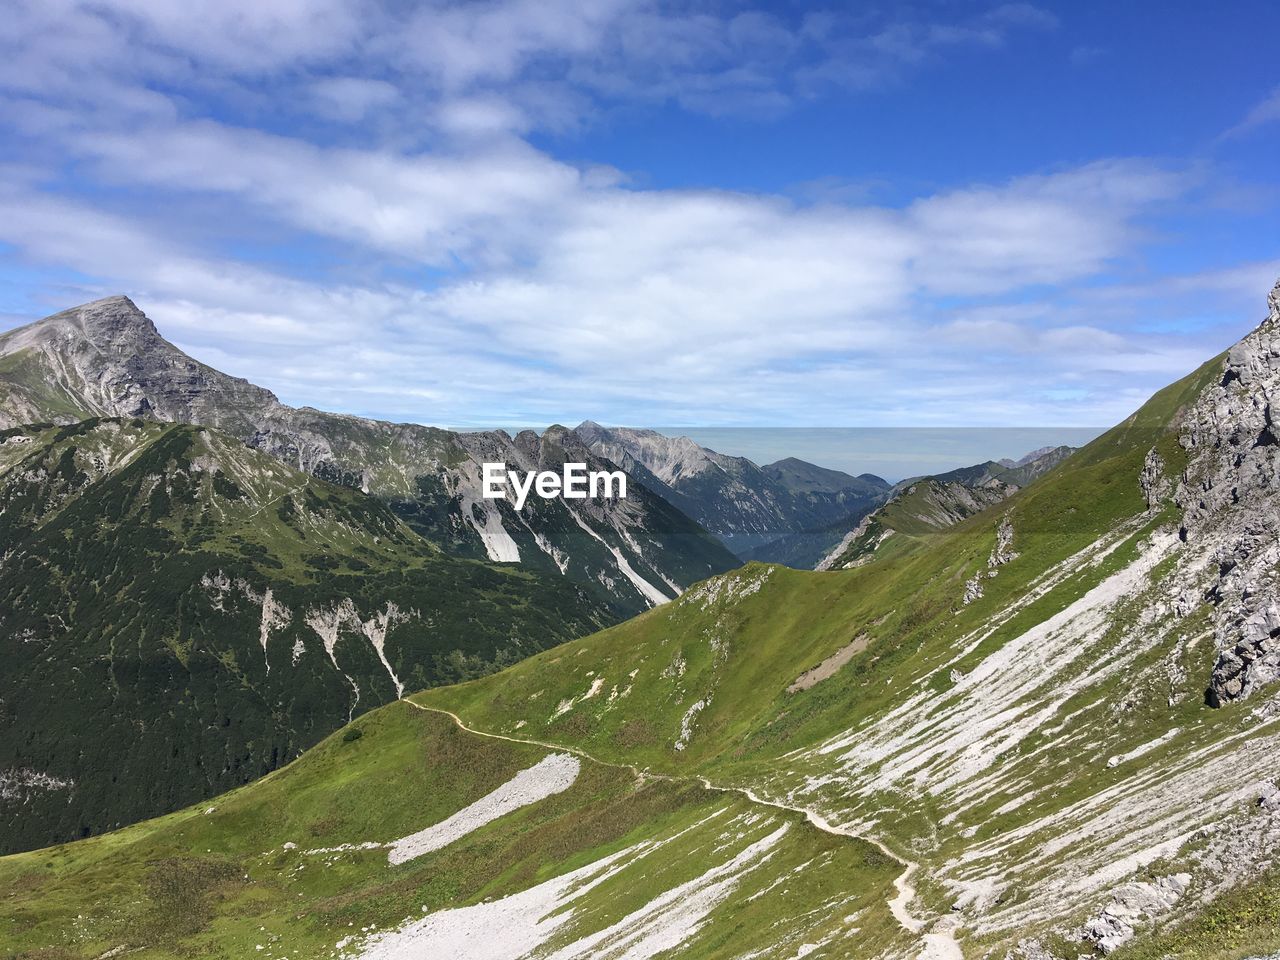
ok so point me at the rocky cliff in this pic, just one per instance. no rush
(1229, 495)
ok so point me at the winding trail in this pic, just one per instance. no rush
(938, 944)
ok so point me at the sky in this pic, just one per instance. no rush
(686, 215)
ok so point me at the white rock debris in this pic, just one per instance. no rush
(275, 616)
(1132, 905)
(564, 706)
(1001, 554)
(23, 783)
(727, 588)
(553, 774)
(528, 920)
(1144, 748)
(686, 723)
(376, 630)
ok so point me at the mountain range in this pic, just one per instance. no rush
(188, 559)
(1040, 727)
(942, 500)
(106, 359)
(185, 614)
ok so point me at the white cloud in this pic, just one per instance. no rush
(350, 99)
(1262, 114)
(546, 57)
(431, 207)
(465, 275)
(607, 300)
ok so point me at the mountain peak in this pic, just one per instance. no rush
(116, 317)
(801, 476)
(111, 324)
(116, 299)
(106, 358)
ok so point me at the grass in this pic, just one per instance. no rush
(217, 881)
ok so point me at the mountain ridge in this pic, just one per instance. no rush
(1042, 754)
(107, 358)
(921, 505)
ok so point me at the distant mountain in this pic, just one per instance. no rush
(183, 614)
(996, 473)
(106, 359)
(931, 503)
(748, 507)
(799, 476)
(1028, 457)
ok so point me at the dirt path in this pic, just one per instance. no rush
(939, 944)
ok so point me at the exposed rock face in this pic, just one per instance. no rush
(1003, 551)
(106, 359)
(1132, 905)
(1001, 554)
(1230, 494)
(1155, 485)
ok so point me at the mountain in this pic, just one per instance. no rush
(799, 476)
(922, 505)
(184, 614)
(107, 359)
(747, 506)
(867, 762)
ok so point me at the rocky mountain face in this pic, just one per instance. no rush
(778, 512)
(106, 359)
(183, 614)
(925, 504)
(1229, 494)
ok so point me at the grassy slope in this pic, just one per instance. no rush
(217, 881)
(745, 653)
(742, 655)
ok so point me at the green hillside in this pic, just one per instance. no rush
(287, 863)
(740, 640)
(187, 614)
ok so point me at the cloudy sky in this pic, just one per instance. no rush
(674, 214)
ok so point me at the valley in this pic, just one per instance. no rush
(1045, 727)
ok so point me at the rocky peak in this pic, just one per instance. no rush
(112, 325)
(670, 459)
(1229, 494)
(114, 321)
(106, 358)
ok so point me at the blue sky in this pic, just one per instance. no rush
(684, 215)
